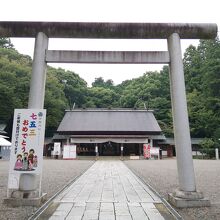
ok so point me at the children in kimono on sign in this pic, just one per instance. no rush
(25, 161)
(30, 164)
(30, 159)
(18, 163)
(35, 161)
(31, 155)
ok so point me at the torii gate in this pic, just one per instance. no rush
(186, 195)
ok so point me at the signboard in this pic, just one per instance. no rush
(69, 152)
(155, 151)
(27, 144)
(146, 151)
(96, 149)
(56, 149)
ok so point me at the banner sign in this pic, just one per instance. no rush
(27, 144)
(146, 150)
(56, 149)
(155, 151)
(69, 152)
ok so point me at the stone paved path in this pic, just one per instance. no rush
(107, 190)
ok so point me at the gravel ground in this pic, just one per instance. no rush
(56, 174)
(162, 176)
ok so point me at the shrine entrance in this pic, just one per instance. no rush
(109, 149)
(186, 195)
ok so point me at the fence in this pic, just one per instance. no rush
(206, 153)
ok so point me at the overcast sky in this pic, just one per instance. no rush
(187, 11)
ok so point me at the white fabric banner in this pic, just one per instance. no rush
(27, 144)
(57, 150)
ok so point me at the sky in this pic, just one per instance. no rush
(170, 11)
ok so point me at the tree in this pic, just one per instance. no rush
(64, 88)
(192, 69)
(73, 86)
(100, 82)
(201, 118)
(99, 97)
(207, 145)
(202, 67)
(14, 82)
(109, 83)
(151, 91)
(55, 102)
(6, 43)
(15, 74)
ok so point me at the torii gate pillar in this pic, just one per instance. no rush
(186, 195)
(39, 68)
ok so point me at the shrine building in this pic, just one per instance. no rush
(109, 131)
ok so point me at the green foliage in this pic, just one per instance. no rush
(100, 82)
(73, 86)
(6, 43)
(208, 147)
(14, 82)
(99, 97)
(15, 74)
(150, 91)
(202, 71)
(55, 101)
(207, 143)
(65, 89)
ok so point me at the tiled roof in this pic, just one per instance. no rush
(109, 120)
